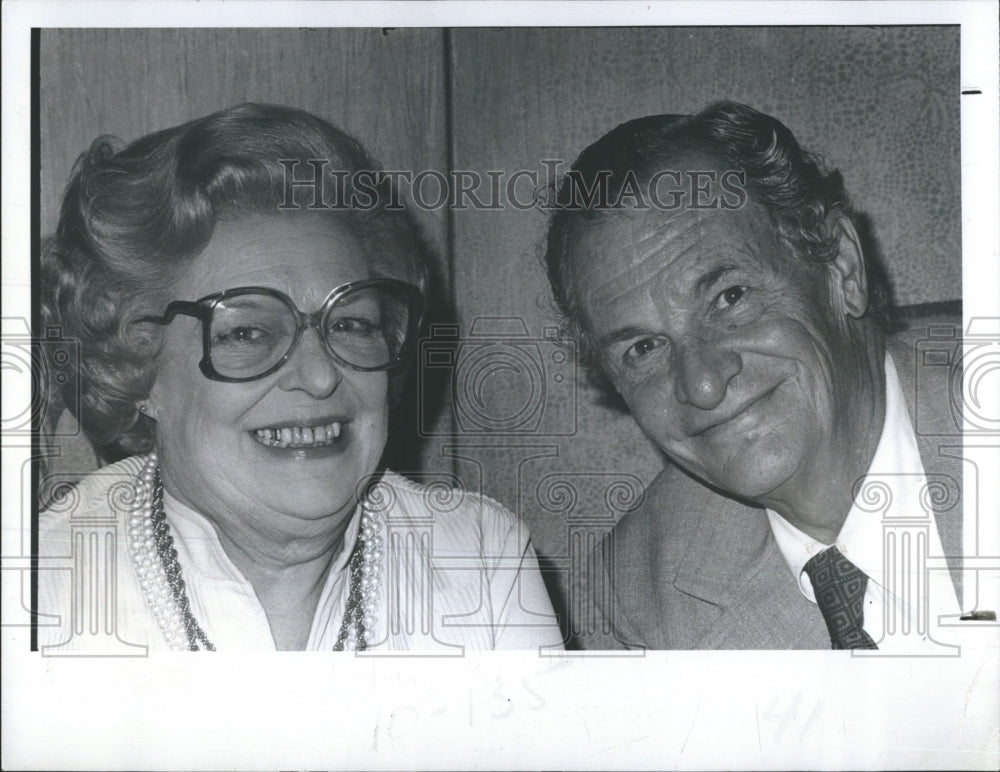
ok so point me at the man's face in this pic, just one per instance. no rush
(724, 346)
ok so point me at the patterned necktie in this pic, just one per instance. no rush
(840, 592)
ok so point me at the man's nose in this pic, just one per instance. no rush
(703, 371)
(311, 367)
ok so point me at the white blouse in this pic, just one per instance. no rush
(458, 571)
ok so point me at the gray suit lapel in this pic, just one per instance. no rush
(754, 601)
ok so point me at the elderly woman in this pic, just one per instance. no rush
(241, 341)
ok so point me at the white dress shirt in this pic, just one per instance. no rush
(458, 571)
(888, 532)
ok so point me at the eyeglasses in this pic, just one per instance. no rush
(250, 332)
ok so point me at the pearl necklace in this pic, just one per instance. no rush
(154, 559)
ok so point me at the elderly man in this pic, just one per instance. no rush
(713, 276)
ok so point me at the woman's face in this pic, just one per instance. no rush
(213, 455)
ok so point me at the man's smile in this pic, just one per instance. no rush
(733, 418)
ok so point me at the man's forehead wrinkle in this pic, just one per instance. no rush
(612, 293)
(648, 257)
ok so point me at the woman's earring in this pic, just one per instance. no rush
(143, 407)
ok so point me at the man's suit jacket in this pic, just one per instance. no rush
(694, 569)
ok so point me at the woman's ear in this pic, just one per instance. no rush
(145, 408)
(849, 279)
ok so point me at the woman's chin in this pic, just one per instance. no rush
(309, 482)
(300, 501)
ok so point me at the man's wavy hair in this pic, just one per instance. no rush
(134, 218)
(792, 185)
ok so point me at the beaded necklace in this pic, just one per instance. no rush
(154, 559)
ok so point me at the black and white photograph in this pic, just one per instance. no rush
(501, 385)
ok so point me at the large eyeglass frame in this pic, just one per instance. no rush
(203, 310)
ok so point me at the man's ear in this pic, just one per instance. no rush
(848, 278)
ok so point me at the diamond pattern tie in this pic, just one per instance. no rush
(840, 592)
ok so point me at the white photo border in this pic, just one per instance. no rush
(690, 710)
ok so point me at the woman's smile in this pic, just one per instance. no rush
(315, 435)
(305, 440)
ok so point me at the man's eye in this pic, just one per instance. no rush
(730, 296)
(642, 348)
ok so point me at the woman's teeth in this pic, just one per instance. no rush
(299, 436)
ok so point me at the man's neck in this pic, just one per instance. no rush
(819, 504)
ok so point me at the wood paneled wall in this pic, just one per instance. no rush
(386, 88)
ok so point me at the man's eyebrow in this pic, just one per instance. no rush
(622, 333)
(707, 279)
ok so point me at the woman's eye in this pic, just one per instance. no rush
(731, 296)
(353, 325)
(241, 336)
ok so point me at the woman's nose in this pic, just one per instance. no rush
(311, 368)
(703, 372)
